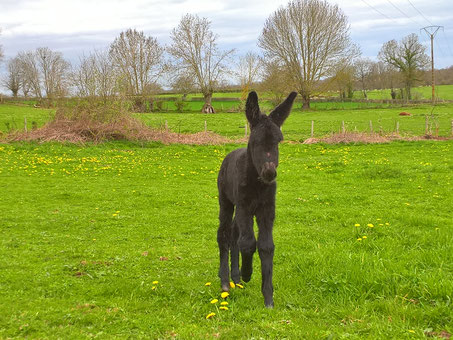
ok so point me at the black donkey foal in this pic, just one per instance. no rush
(247, 181)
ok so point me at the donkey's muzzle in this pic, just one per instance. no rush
(268, 172)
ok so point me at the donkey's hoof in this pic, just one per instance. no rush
(226, 288)
(246, 278)
(269, 305)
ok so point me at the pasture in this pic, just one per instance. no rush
(297, 127)
(119, 240)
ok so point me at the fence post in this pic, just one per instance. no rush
(313, 128)
(397, 128)
(205, 126)
(426, 124)
(166, 126)
(342, 127)
(25, 124)
(371, 126)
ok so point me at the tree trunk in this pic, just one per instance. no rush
(408, 93)
(207, 107)
(306, 102)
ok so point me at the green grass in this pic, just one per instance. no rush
(12, 116)
(444, 92)
(298, 125)
(86, 231)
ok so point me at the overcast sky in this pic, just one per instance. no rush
(76, 27)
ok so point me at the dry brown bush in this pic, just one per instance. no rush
(91, 123)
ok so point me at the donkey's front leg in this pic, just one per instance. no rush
(246, 242)
(265, 219)
(234, 254)
(224, 235)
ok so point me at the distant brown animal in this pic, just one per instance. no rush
(405, 114)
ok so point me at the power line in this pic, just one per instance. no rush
(376, 10)
(448, 43)
(420, 12)
(403, 13)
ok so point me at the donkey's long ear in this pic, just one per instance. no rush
(252, 109)
(282, 111)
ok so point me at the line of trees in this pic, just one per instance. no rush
(306, 46)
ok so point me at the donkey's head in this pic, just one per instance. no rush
(265, 135)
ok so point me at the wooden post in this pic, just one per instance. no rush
(397, 128)
(371, 126)
(342, 127)
(25, 124)
(166, 126)
(426, 124)
(313, 128)
(205, 126)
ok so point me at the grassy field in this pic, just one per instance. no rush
(444, 92)
(298, 125)
(297, 128)
(364, 242)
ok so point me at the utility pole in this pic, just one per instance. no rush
(431, 31)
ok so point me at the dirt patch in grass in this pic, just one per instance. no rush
(367, 138)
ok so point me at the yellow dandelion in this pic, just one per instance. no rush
(207, 284)
(359, 239)
(223, 308)
(154, 288)
(369, 225)
(239, 285)
(224, 303)
(155, 282)
(232, 285)
(387, 223)
(357, 225)
(214, 301)
(114, 215)
(224, 295)
(210, 315)
(364, 237)
(411, 331)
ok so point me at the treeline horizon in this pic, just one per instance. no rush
(305, 46)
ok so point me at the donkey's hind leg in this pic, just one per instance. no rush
(224, 240)
(234, 251)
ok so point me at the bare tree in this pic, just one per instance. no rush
(83, 77)
(363, 68)
(248, 71)
(30, 73)
(183, 83)
(95, 76)
(408, 56)
(275, 81)
(343, 81)
(309, 38)
(138, 60)
(196, 54)
(54, 70)
(44, 72)
(12, 79)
